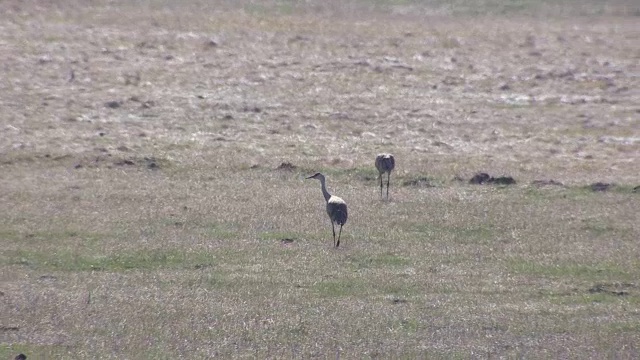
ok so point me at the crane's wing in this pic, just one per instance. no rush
(337, 210)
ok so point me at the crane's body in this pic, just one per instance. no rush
(385, 163)
(336, 208)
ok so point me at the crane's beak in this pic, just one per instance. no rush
(310, 177)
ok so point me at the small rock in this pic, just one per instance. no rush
(636, 189)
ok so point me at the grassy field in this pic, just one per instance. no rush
(145, 214)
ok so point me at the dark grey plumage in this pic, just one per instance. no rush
(385, 163)
(336, 208)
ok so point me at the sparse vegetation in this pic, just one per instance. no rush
(152, 157)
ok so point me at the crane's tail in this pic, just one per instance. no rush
(341, 217)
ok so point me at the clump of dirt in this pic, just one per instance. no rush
(618, 289)
(113, 104)
(148, 162)
(124, 162)
(480, 178)
(286, 166)
(108, 160)
(484, 178)
(503, 180)
(418, 182)
(600, 186)
(541, 183)
(397, 301)
(366, 177)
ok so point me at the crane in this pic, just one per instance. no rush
(336, 208)
(385, 164)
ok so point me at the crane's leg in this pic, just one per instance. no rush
(388, 180)
(334, 233)
(381, 184)
(339, 233)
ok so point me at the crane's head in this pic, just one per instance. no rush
(316, 176)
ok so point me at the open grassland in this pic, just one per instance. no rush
(144, 212)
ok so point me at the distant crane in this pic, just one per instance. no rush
(385, 164)
(336, 208)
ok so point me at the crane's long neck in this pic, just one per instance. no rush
(324, 190)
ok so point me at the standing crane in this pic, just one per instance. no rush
(336, 208)
(385, 164)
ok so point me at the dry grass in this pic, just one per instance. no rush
(142, 214)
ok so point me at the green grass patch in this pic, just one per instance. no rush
(218, 231)
(598, 228)
(280, 235)
(67, 260)
(469, 234)
(208, 280)
(342, 288)
(9, 351)
(10, 235)
(419, 180)
(595, 272)
(407, 325)
(587, 299)
(377, 261)
(626, 326)
(51, 236)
